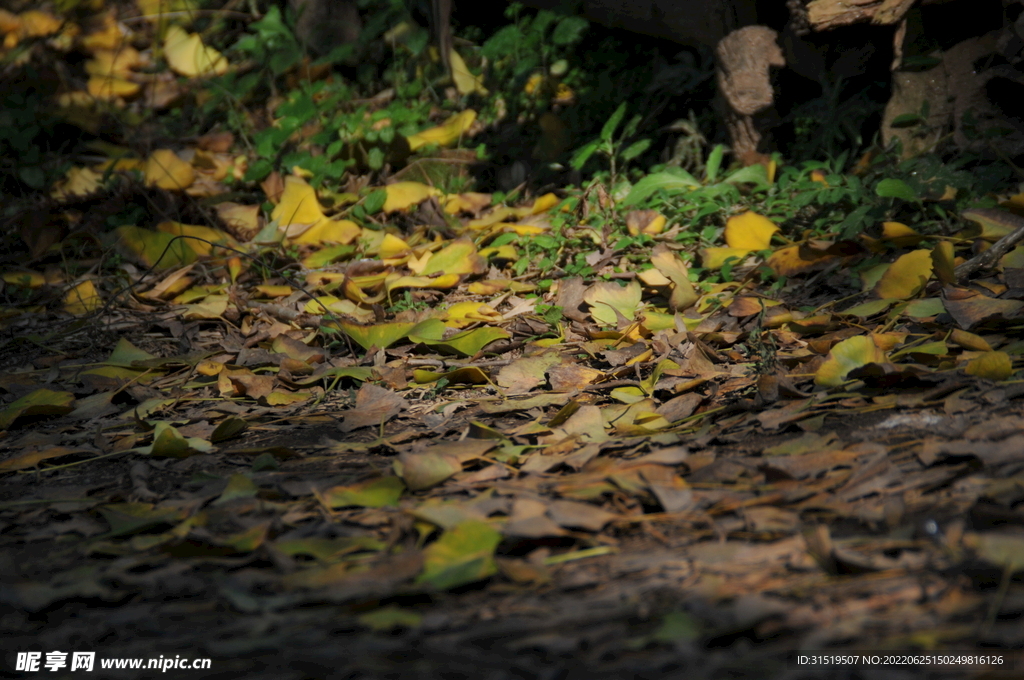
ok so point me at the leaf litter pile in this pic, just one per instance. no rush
(680, 426)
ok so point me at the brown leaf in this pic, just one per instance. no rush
(374, 405)
(574, 515)
(680, 407)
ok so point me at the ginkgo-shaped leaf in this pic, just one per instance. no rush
(943, 263)
(715, 258)
(458, 257)
(674, 269)
(749, 231)
(465, 82)
(165, 170)
(82, 299)
(445, 134)
(187, 55)
(404, 195)
(649, 222)
(77, 182)
(379, 335)
(463, 314)
(609, 301)
(906, 276)
(462, 555)
(40, 402)
(860, 350)
(169, 443)
(374, 493)
(298, 204)
(900, 234)
(991, 366)
(992, 224)
(466, 342)
(790, 260)
(203, 240)
(153, 248)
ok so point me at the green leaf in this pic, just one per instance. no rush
(635, 149)
(714, 162)
(41, 402)
(239, 486)
(389, 618)
(169, 443)
(752, 174)
(375, 493)
(467, 343)
(895, 188)
(462, 555)
(906, 120)
(671, 181)
(583, 154)
(613, 122)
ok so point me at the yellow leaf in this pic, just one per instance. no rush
(445, 134)
(458, 257)
(906, 276)
(165, 170)
(544, 203)
(201, 247)
(36, 24)
(117, 63)
(111, 36)
(298, 204)
(330, 231)
(943, 262)
(749, 231)
(991, 366)
(82, 299)
(24, 279)
(110, 87)
(649, 222)
(845, 356)
(443, 282)
(463, 314)
(900, 234)
(607, 298)
(41, 402)
(673, 268)
(789, 261)
(404, 195)
(392, 247)
(715, 258)
(187, 55)
(212, 307)
(465, 82)
(153, 248)
(77, 182)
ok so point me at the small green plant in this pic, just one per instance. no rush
(408, 303)
(611, 147)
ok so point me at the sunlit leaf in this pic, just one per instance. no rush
(609, 301)
(188, 56)
(165, 170)
(445, 134)
(463, 554)
(467, 343)
(991, 366)
(465, 82)
(906, 276)
(82, 299)
(749, 231)
(845, 356)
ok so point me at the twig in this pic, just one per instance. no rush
(998, 249)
